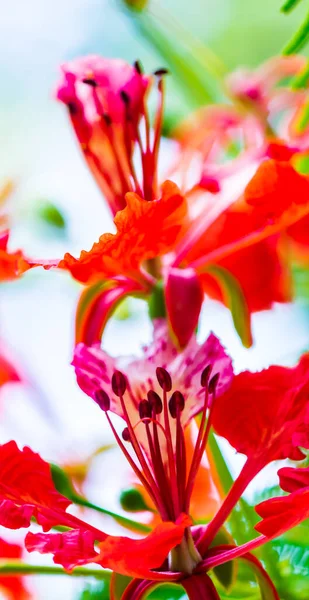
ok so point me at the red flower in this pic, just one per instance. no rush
(155, 414)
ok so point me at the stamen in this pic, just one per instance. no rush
(119, 383)
(125, 97)
(102, 399)
(107, 118)
(160, 72)
(213, 383)
(144, 410)
(138, 67)
(155, 402)
(164, 379)
(90, 81)
(205, 376)
(72, 108)
(176, 404)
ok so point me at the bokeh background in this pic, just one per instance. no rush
(40, 155)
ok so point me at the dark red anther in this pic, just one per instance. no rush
(144, 409)
(125, 97)
(155, 402)
(102, 399)
(107, 119)
(160, 72)
(164, 379)
(205, 375)
(119, 384)
(90, 81)
(72, 108)
(176, 403)
(213, 383)
(126, 435)
(138, 67)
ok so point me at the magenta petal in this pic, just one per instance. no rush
(184, 298)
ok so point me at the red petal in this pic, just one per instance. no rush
(137, 558)
(276, 188)
(70, 549)
(7, 371)
(293, 479)
(281, 514)
(27, 489)
(260, 412)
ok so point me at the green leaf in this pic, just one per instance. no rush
(227, 572)
(50, 214)
(236, 301)
(267, 588)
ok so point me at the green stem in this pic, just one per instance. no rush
(299, 39)
(128, 523)
(289, 5)
(19, 568)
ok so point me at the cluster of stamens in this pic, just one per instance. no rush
(160, 462)
(121, 141)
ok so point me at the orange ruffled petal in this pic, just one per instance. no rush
(137, 558)
(144, 230)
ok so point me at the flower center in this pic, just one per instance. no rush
(156, 436)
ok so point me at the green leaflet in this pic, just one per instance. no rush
(236, 302)
(289, 5)
(65, 487)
